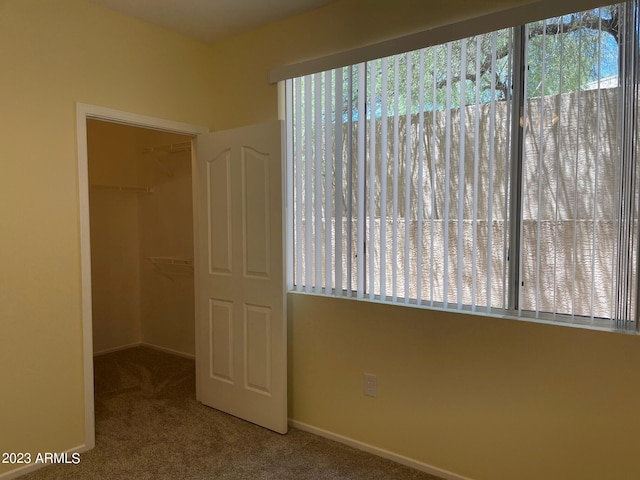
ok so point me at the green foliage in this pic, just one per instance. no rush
(441, 77)
(564, 54)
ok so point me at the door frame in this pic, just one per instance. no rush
(86, 112)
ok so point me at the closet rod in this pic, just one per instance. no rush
(122, 188)
(181, 261)
(170, 148)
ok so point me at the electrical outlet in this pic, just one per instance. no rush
(370, 385)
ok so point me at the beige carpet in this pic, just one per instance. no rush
(149, 426)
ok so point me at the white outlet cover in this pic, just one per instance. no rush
(370, 385)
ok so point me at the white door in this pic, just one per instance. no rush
(241, 348)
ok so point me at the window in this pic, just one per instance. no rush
(495, 173)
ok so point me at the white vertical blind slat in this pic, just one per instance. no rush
(506, 202)
(476, 173)
(434, 100)
(421, 146)
(396, 154)
(447, 180)
(289, 186)
(372, 179)
(557, 160)
(318, 157)
(299, 188)
(328, 188)
(596, 174)
(383, 176)
(407, 179)
(361, 176)
(574, 259)
(492, 159)
(349, 179)
(339, 159)
(541, 154)
(308, 185)
(461, 161)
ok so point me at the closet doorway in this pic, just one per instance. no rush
(141, 222)
(127, 329)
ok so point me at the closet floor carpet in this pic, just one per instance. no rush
(150, 426)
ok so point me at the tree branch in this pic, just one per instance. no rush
(585, 20)
(485, 67)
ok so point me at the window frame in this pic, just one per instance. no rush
(515, 219)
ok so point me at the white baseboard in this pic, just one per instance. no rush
(32, 467)
(148, 345)
(409, 462)
(168, 350)
(117, 349)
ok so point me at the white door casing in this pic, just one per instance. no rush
(83, 113)
(239, 266)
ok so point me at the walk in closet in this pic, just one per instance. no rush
(141, 238)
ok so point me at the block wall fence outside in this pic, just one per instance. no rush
(589, 157)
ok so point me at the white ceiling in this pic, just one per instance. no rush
(211, 20)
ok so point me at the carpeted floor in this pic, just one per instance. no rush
(150, 426)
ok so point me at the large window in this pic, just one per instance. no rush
(495, 173)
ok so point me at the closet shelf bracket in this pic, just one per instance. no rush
(164, 156)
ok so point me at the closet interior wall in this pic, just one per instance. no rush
(141, 238)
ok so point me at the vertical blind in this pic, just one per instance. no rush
(400, 173)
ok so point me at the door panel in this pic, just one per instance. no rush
(256, 222)
(240, 294)
(221, 335)
(219, 208)
(258, 348)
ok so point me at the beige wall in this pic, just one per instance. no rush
(486, 398)
(166, 230)
(244, 62)
(483, 397)
(115, 236)
(53, 55)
